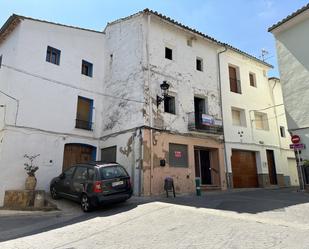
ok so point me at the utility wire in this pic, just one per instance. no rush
(68, 85)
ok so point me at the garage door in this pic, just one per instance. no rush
(293, 172)
(244, 169)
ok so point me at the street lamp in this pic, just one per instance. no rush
(164, 91)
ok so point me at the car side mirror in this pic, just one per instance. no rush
(62, 176)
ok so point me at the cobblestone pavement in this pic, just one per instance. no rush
(234, 219)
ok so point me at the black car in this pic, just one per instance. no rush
(93, 184)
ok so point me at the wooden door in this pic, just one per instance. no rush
(244, 169)
(271, 167)
(77, 153)
(233, 79)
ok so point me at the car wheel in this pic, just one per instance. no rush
(85, 203)
(54, 193)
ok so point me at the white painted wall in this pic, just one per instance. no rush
(185, 81)
(47, 95)
(262, 98)
(293, 59)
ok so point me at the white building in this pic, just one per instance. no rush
(74, 95)
(292, 38)
(256, 136)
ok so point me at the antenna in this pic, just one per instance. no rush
(264, 52)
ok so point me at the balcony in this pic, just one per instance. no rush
(83, 124)
(205, 123)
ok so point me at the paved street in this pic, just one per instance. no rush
(238, 219)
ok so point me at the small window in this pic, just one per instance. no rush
(252, 79)
(178, 155)
(168, 53)
(199, 64)
(53, 55)
(84, 113)
(238, 117)
(261, 121)
(189, 42)
(282, 131)
(87, 68)
(169, 104)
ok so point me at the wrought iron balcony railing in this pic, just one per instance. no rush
(204, 123)
(83, 124)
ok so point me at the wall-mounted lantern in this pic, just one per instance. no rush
(164, 91)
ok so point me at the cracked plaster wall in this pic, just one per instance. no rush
(185, 81)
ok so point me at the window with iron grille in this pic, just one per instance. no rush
(53, 55)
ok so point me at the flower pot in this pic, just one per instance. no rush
(30, 183)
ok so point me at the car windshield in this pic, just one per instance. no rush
(112, 172)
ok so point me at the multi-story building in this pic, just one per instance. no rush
(256, 137)
(74, 95)
(292, 36)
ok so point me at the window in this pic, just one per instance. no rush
(234, 79)
(169, 104)
(189, 42)
(199, 64)
(53, 55)
(261, 121)
(168, 53)
(112, 172)
(69, 172)
(108, 155)
(252, 79)
(84, 113)
(81, 174)
(178, 155)
(238, 117)
(87, 68)
(91, 174)
(282, 131)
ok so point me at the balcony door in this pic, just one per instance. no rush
(199, 109)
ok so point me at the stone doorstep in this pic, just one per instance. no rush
(27, 200)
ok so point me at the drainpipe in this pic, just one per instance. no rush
(275, 110)
(221, 107)
(150, 104)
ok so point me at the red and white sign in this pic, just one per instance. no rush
(295, 139)
(177, 154)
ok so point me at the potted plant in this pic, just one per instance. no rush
(31, 181)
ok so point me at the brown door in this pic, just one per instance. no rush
(271, 167)
(233, 79)
(244, 169)
(77, 153)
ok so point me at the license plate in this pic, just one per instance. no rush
(114, 184)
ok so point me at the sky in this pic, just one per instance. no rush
(240, 23)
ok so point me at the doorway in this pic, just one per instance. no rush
(202, 166)
(77, 153)
(271, 167)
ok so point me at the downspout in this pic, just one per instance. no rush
(221, 107)
(150, 103)
(275, 109)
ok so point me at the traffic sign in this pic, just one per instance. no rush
(295, 139)
(297, 146)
